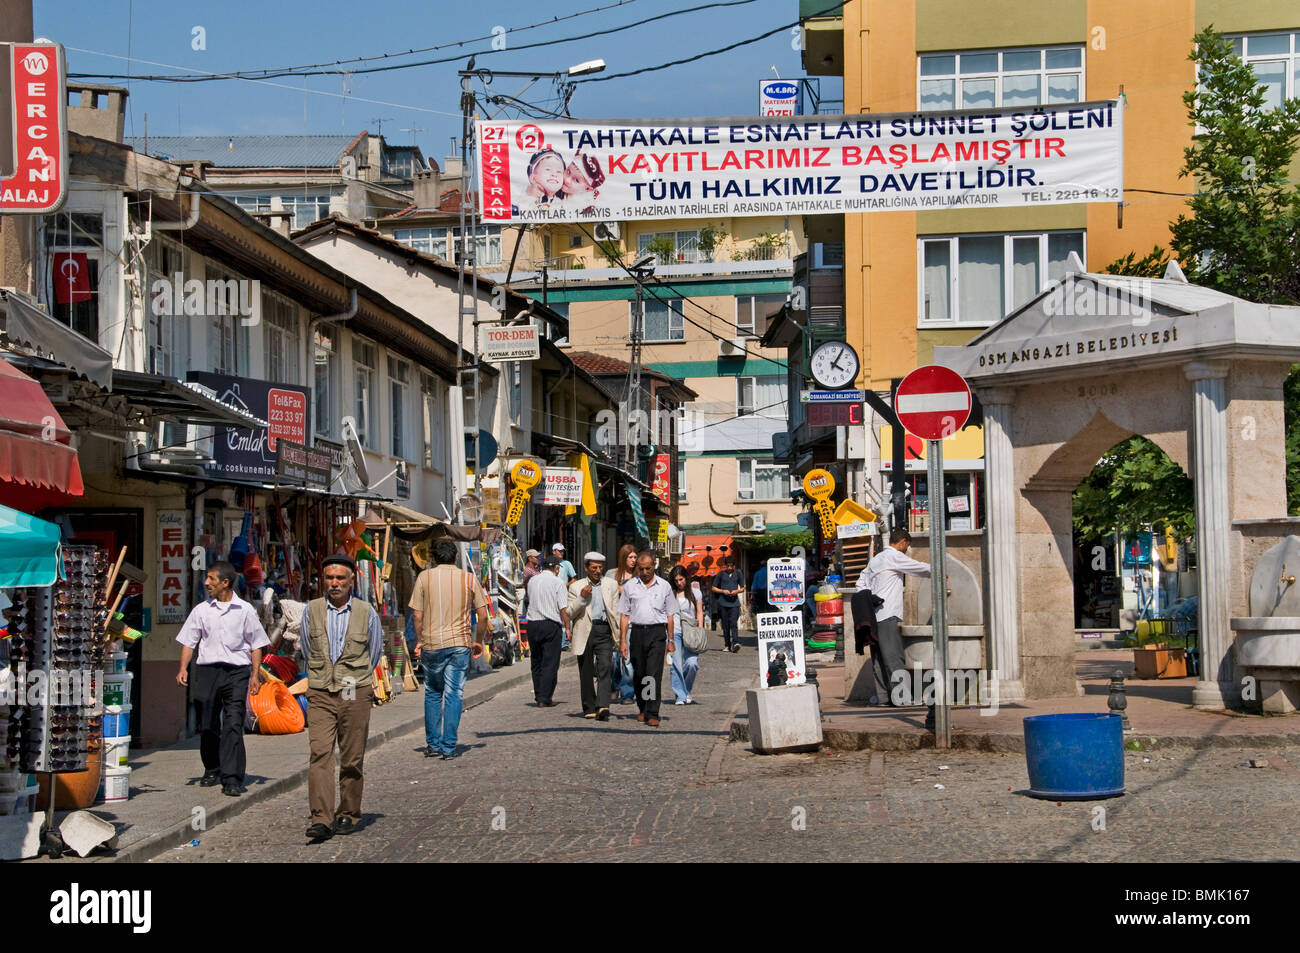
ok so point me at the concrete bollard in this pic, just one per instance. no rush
(784, 719)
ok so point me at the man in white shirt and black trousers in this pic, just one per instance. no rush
(884, 577)
(548, 625)
(646, 608)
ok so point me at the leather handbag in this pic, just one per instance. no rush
(694, 637)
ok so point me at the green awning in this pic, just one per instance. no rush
(30, 554)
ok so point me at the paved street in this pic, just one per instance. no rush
(549, 785)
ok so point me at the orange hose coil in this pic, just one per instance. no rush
(277, 711)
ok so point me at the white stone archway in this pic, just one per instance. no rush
(1090, 361)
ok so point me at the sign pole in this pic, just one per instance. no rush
(939, 596)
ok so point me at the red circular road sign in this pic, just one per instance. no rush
(932, 402)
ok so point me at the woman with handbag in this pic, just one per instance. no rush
(692, 641)
(621, 686)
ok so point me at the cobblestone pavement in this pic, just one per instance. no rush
(548, 785)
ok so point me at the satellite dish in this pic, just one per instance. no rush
(353, 444)
(471, 508)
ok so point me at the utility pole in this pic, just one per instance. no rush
(640, 272)
(467, 283)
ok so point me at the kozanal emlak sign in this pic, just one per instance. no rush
(509, 343)
(36, 90)
(566, 171)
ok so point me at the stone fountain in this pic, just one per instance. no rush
(1268, 640)
(965, 627)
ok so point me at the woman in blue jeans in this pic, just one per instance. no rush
(620, 669)
(685, 663)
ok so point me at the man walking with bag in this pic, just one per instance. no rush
(592, 604)
(344, 644)
(444, 599)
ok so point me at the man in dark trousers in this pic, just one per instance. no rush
(593, 602)
(344, 644)
(884, 577)
(229, 639)
(548, 627)
(646, 609)
(727, 587)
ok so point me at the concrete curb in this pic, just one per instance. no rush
(182, 833)
(847, 739)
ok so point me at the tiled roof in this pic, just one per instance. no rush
(598, 364)
(275, 152)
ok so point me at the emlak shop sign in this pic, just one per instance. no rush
(251, 455)
(568, 171)
(33, 128)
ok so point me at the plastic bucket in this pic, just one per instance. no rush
(117, 663)
(1075, 756)
(117, 784)
(117, 751)
(117, 721)
(117, 688)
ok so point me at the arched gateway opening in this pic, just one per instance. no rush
(1085, 365)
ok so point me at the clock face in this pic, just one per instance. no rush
(835, 365)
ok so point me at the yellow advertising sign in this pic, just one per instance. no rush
(819, 484)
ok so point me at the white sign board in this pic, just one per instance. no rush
(562, 487)
(785, 581)
(854, 530)
(1053, 154)
(778, 97)
(517, 342)
(781, 633)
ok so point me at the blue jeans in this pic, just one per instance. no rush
(444, 684)
(685, 666)
(620, 678)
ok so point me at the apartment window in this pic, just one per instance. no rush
(1275, 58)
(764, 396)
(325, 376)
(828, 255)
(280, 318)
(984, 79)
(762, 480)
(306, 208)
(976, 279)
(227, 330)
(252, 204)
(399, 377)
(365, 406)
(754, 311)
(443, 242)
(663, 320)
(78, 234)
(681, 479)
(434, 422)
(671, 247)
(168, 326)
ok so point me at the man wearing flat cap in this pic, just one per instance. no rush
(593, 607)
(344, 644)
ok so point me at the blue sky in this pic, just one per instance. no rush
(243, 35)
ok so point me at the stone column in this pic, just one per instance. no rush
(1216, 687)
(1002, 631)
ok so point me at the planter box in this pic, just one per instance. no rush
(1156, 661)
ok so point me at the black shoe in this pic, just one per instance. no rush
(453, 755)
(344, 825)
(602, 715)
(431, 752)
(546, 704)
(230, 789)
(319, 832)
(210, 778)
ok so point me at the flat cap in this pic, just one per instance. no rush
(339, 560)
(594, 557)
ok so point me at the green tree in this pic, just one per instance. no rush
(1134, 485)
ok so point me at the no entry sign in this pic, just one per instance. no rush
(933, 402)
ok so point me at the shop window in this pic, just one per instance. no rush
(962, 503)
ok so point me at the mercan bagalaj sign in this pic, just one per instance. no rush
(34, 163)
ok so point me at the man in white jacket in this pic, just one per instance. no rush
(884, 577)
(593, 611)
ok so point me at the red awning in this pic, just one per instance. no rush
(35, 444)
(696, 549)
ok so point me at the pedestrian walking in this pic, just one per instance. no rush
(593, 602)
(884, 577)
(227, 666)
(444, 599)
(344, 644)
(646, 614)
(567, 572)
(690, 614)
(621, 678)
(727, 587)
(548, 625)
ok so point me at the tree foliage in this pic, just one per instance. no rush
(1135, 485)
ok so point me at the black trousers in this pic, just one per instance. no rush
(886, 660)
(594, 665)
(219, 694)
(646, 648)
(730, 617)
(545, 638)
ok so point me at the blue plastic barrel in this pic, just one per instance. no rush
(1076, 756)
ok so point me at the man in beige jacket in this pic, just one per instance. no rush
(593, 611)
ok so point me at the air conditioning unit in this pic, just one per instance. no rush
(675, 544)
(607, 231)
(731, 348)
(750, 523)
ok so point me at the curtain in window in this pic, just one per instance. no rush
(937, 281)
(1024, 270)
(1059, 247)
(979, 278)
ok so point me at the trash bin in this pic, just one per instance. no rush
(1075, 756)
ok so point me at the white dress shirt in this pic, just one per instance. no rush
(884, 577)
(548, 597)
(223, 632)
(647, 605)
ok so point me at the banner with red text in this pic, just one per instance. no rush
(569, 170)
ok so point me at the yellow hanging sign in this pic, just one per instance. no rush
(819, 484)
(525, 475)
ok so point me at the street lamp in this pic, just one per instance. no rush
(591, 66)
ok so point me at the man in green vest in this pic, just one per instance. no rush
(344, 644)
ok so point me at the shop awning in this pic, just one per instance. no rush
(185, 403)
(29, 550)
(695, 546)
(28, 326)
(35, 445)
(402, 515)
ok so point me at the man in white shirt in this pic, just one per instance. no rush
(646, 609)
(884, 577)
(548, 625)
